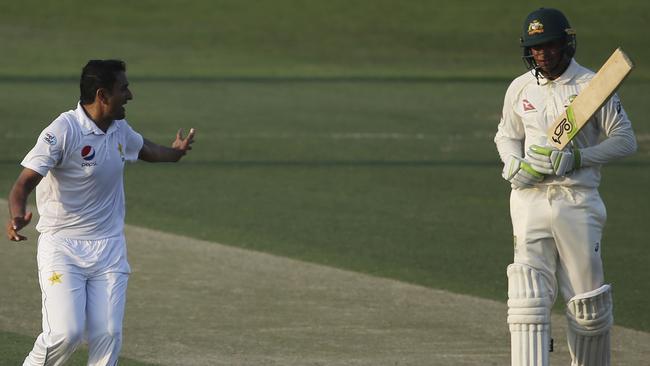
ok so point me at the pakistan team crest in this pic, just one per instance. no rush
(121, 150)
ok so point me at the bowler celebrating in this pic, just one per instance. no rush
(76, 168)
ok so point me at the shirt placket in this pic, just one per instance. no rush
(552, 107)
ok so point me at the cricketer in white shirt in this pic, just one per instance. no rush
(76, 168)
(558, 219)
(529, 110)
(82, 197)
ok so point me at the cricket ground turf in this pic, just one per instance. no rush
(193, 302)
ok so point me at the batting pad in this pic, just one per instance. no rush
(590, 318)
(530, 297)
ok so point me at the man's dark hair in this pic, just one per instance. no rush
(98, 74)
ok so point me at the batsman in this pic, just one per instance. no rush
(557, 213)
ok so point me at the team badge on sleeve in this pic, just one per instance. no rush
(49, 138)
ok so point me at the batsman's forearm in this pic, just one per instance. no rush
(612, 148)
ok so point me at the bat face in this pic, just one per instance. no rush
(600, 88)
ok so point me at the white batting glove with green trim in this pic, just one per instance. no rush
(520, 173)
(549, 160)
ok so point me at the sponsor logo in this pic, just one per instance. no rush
(566, 125)
(88, 153)
(560, 129)
(49, 138)
(528, 106)
(535, 27)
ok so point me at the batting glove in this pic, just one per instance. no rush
(520, 173)
(549, 160)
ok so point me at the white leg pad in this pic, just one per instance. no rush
(590, 318)
(530, 297)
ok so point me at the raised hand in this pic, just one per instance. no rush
(184, 144)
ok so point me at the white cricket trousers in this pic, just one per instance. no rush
(83, 299)
(558, 231)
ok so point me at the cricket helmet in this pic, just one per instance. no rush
(546, 25)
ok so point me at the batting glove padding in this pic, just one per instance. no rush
(520, 173)
(549, 160)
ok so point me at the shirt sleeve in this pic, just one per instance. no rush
(619, 139)
(134, 142)
(49, 149)
(510, 134)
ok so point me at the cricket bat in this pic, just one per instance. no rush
(593, 96)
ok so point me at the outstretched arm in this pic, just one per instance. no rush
(154, 153)
(19, 217)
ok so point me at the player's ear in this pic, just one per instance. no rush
(102, 95)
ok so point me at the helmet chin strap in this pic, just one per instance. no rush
(534, 69)
(537, 71)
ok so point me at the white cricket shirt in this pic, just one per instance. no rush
(529, 109)
(82, 193)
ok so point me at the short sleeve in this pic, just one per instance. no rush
(134, 142)
(49, 149)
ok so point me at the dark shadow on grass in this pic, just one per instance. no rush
(342, 163)
(360, 163)
(324, 163)
(261, 79)
(372, 163)
(266, 79)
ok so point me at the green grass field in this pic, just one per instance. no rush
(352, 134)
(199, 38)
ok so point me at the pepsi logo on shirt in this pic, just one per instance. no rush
(88, 154)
